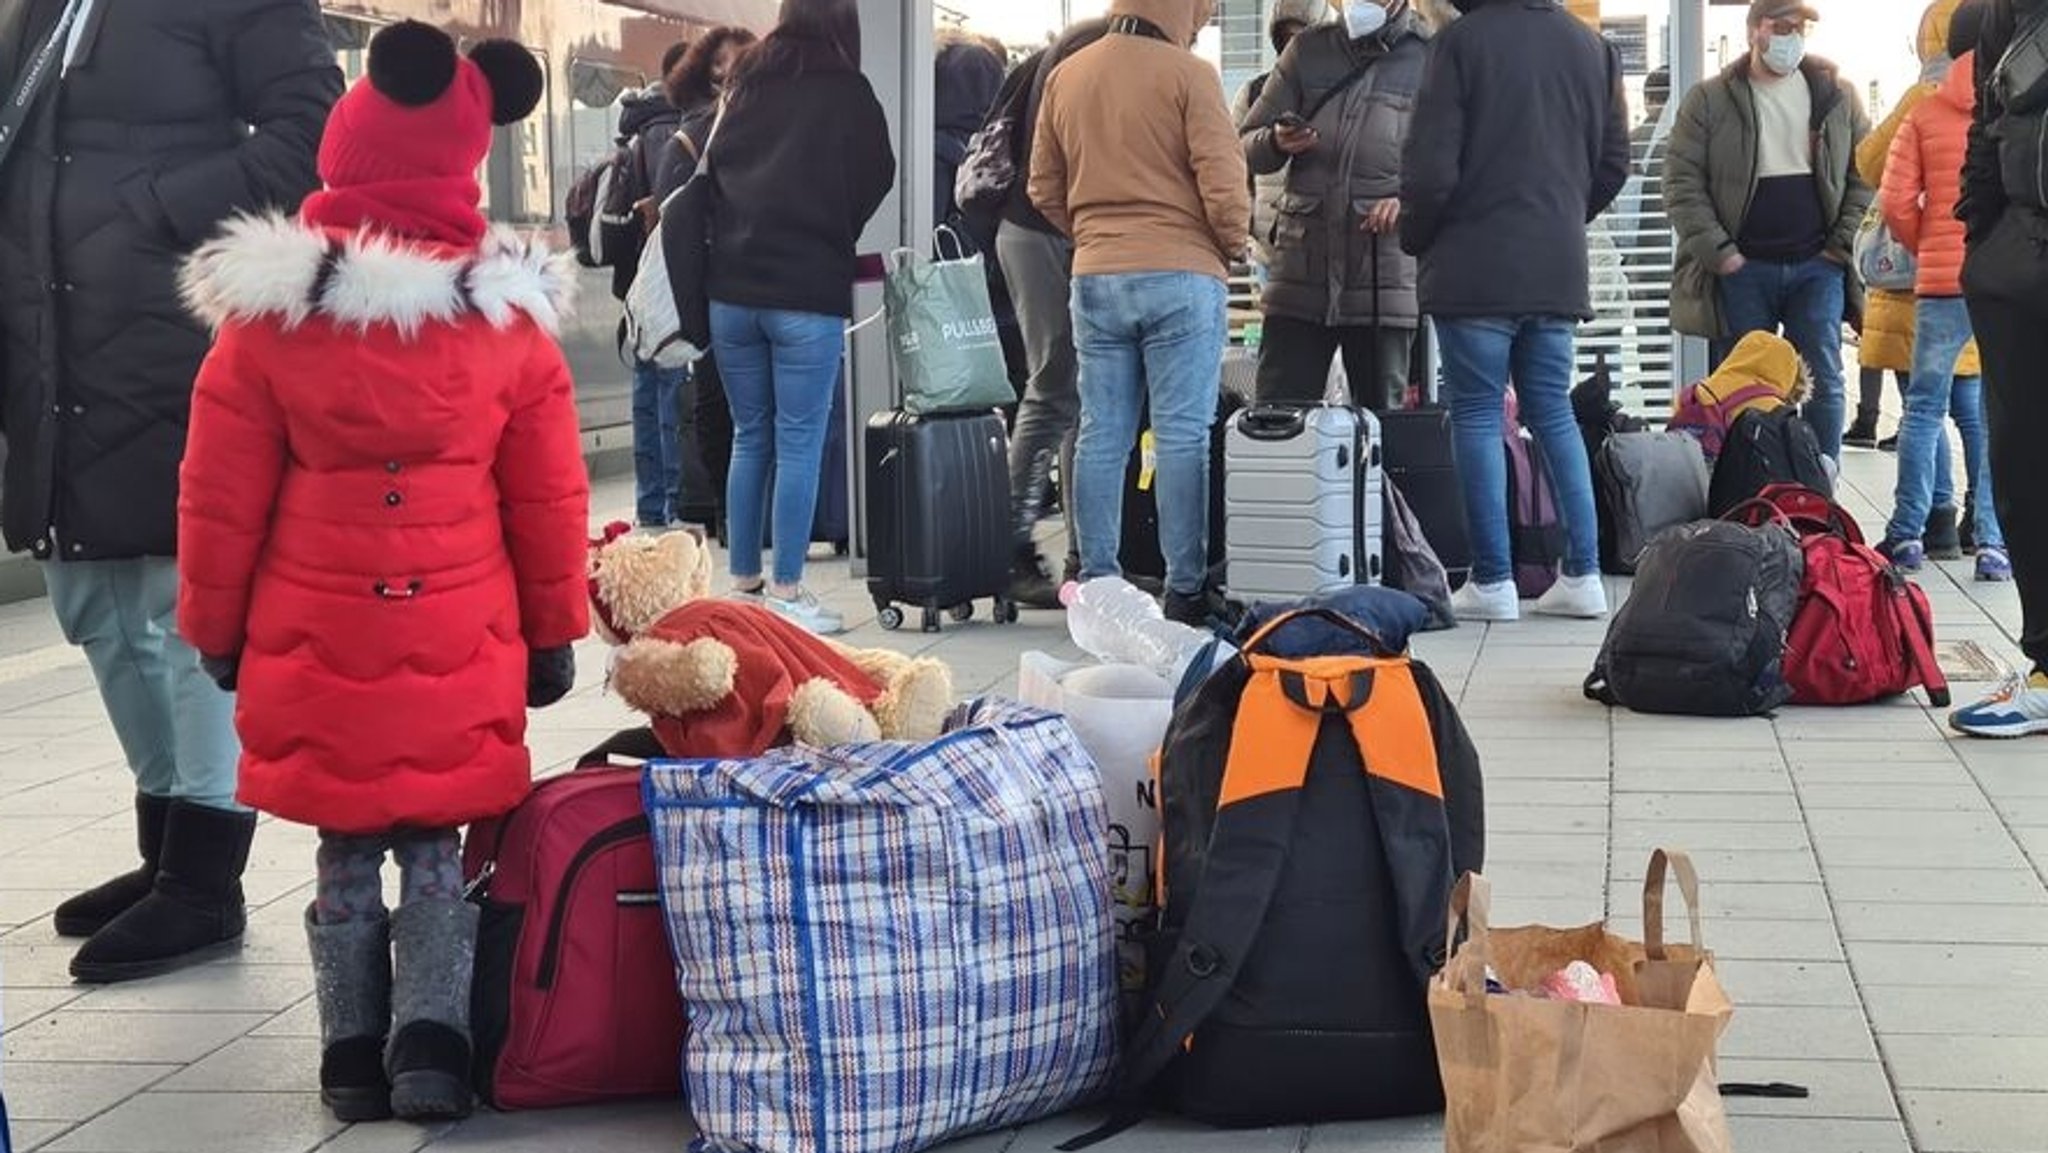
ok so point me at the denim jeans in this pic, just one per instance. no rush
(1806, 300)
(657, 442)
(1480, 356)
(1933, 394)
(174, 724)
(1157, 337)
(781, 371)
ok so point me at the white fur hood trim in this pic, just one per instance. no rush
(267, 266)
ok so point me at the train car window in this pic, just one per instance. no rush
(518, 176)
(350, 40)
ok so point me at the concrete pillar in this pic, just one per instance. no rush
(896, 55)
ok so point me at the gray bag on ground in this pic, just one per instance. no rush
(1412, 564)
(1647, 482)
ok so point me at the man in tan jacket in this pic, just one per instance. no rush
(1137, 159)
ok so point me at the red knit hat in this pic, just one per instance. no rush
(402, 147)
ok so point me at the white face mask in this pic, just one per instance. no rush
(1785, 54)
(1362, 18)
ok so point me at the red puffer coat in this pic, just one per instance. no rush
(383, 505)
(1923, 179)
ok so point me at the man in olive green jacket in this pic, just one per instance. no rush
(1761, 186)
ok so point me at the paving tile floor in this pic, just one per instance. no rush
(1874, 889)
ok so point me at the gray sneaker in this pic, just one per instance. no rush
(805, 611)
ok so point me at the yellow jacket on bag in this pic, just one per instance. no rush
(1888, 316)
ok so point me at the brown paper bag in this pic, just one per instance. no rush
(1527, 1075)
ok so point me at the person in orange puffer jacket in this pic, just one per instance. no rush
(1887, 330)
(1923, 181)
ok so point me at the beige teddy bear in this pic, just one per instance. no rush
(727, 678)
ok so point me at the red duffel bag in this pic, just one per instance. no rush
(574, 1000)
(1863, 632)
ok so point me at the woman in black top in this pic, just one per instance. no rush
(800, 161)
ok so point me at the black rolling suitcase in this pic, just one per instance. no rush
(1138, 549)
(1420, 461)
(938, 500)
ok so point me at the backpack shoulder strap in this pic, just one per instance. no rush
(1914, 621)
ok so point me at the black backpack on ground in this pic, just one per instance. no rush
(1763, 449)
(1317, 794)
(1703, 631)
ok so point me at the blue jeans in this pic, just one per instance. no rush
(1480, 356)
(781, 370)
(1806, 300)
(174, 724)
(1152, 337)
(1934, 392)
(657, 442)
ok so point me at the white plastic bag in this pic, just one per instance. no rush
(1120, 713)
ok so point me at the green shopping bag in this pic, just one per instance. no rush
(942, 332)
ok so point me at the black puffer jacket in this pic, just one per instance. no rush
(127, 164)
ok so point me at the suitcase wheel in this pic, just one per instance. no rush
(961, 613)
(889, 617)
(931, 620)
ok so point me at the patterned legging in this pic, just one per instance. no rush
(351, 884)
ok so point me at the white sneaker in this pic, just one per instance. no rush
(1581, 598)
(1499, 603)
(805, 611)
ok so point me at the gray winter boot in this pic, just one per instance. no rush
(434, 945)
(352, 985)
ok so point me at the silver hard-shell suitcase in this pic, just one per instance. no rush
(1303, 502)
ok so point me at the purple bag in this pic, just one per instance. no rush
(1536, 539)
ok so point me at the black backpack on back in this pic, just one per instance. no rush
(1763, 449)
(1703, 631)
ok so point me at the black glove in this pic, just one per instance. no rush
(550, 674)
(223, 670)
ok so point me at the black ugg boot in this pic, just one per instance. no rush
(193, 912)
(352, 986)
(90, 911)
(434, 951)
(1031, 587)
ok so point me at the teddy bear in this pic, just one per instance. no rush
(729, 678)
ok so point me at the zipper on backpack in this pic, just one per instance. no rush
(607, 838)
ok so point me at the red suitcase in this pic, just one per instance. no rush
(575, 997)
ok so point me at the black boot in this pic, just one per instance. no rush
(1863, 433)
(1966, 529)
(1943, 537)
(1191, 609)
(352, 986)
(1031, 587)
(90, 911)
(194, 911)
(434, 951)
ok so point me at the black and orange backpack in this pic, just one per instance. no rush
(1315, 812)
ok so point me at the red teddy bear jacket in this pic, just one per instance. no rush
(383, 505)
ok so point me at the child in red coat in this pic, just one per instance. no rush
(382, 520)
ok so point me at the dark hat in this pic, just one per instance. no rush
(1966, 27)
(1762, 10)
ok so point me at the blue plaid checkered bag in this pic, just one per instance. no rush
(884, 947)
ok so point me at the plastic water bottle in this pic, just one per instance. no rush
(1115, 621)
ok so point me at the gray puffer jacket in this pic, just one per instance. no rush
(1324, 263)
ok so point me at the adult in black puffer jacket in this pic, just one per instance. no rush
(2005, 279)
(168, 118)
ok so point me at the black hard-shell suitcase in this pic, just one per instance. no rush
(1138, 549)
(938, 499)
(1419, 460)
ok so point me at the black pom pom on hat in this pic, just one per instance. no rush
(516, 80)
(412, 63)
